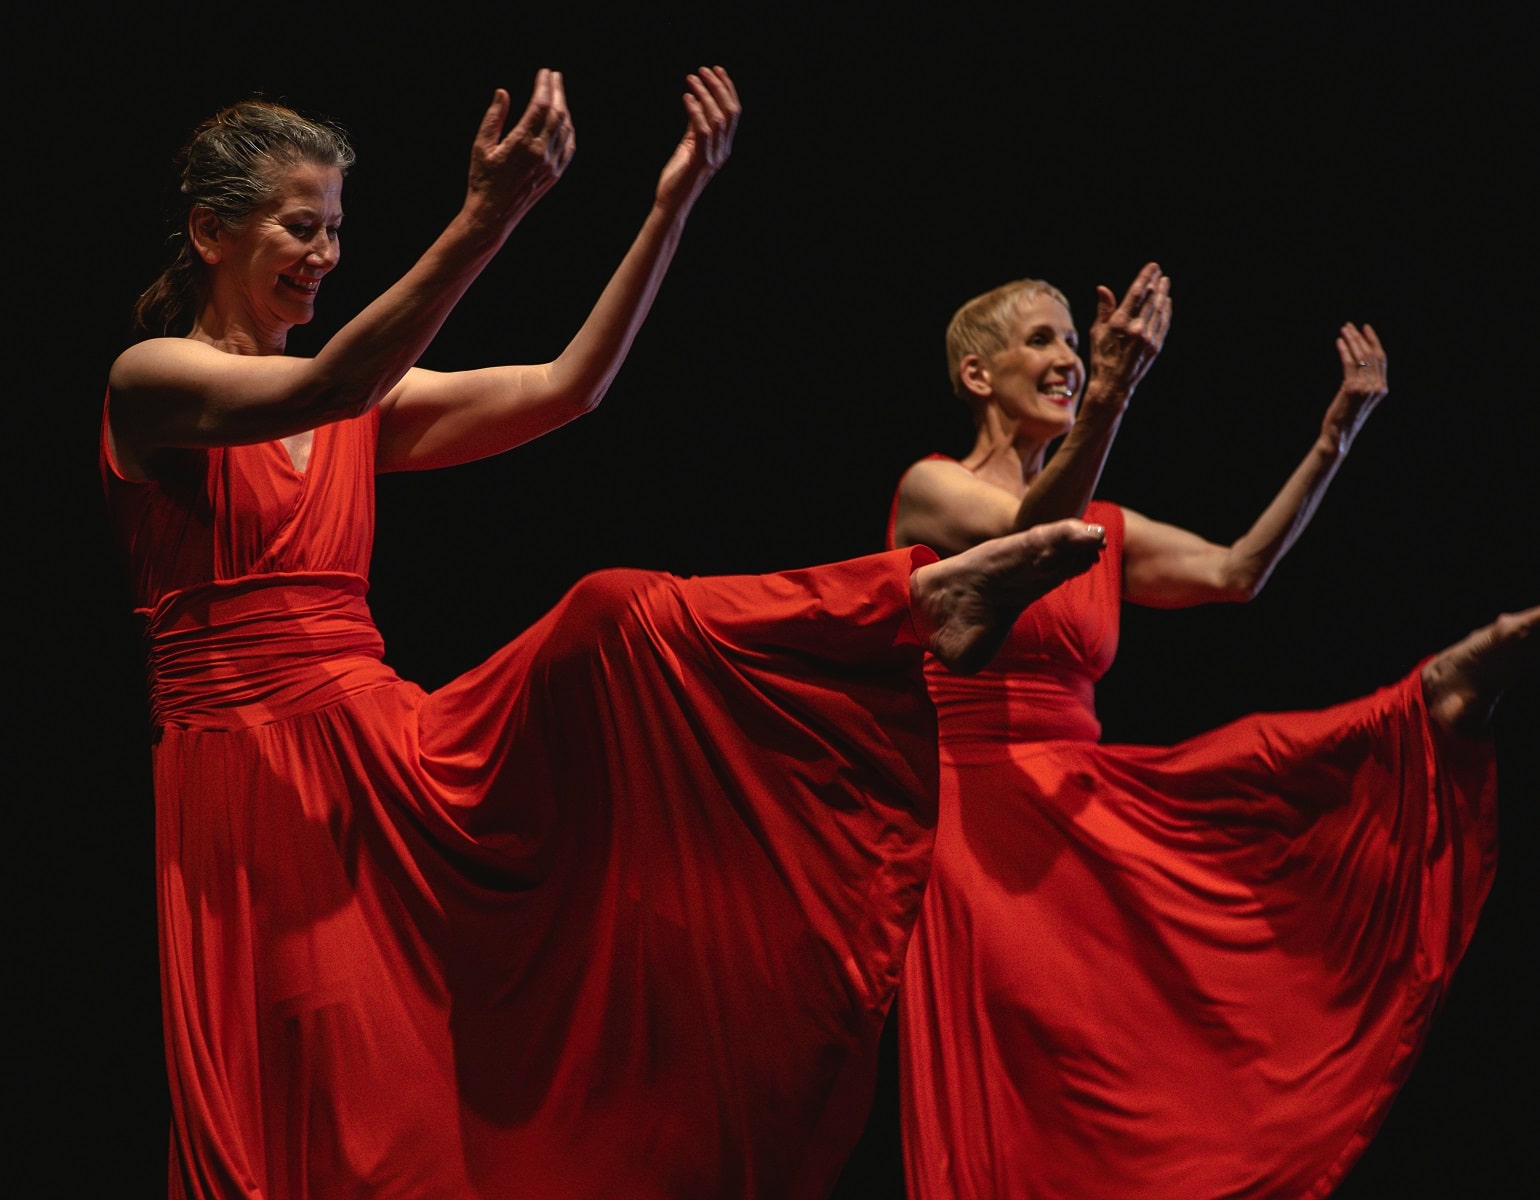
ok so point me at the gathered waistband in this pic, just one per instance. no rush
(981, 714)
(252, 651)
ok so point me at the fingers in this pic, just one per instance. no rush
(1363, 357)
(1144, 311)
(489, 132)
(1106, 302)
(545, 126)
(712, 108)
(1140, 289)
(508, 173)
(1128, 334)
(546, 116)
(563, 134)
(1160, 312)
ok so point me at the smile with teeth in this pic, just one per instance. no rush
(1062, 392)
(308, 286)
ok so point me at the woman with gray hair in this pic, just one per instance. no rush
(618, 912)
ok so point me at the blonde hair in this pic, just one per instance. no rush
(982, 326)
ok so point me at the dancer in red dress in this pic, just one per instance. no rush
(619, 912)
(1201, 970)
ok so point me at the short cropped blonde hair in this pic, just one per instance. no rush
(982, 326)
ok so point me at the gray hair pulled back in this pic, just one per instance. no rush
(230, 165)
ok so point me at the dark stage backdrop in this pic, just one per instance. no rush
(1289, 172)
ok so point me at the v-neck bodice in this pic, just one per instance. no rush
(228, 513)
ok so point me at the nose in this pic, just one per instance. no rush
(1068, 360)
(324, 250)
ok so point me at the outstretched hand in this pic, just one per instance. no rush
(509, 173)
(1364, 384)
(1127, 335)
(711, 117)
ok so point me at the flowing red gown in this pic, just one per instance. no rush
(618, 913)
(1174, 973)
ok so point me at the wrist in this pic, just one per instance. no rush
(1103, 401)
(478, 233)
(1333, 443)
(674, 206)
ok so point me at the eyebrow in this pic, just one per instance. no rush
(303, 210)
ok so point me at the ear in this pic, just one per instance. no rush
(973, 371)
(203, 231)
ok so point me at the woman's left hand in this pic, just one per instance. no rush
(711, 109)
(1364, 384)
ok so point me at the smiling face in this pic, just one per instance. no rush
(265, 272)
(1036, 377)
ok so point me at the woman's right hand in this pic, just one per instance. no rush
(508, 174)
(1127, 336)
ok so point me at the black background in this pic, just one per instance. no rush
(1291, 170)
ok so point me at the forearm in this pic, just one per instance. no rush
(507, 176)
(437, 420)
(1066, 485)
(583, 372)
(1125, 339)
(1251, 559)
(366, 358)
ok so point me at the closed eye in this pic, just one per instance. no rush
(1046, 337)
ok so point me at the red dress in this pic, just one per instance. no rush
(1202, 971)
(618, 913)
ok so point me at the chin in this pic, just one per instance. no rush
(1051, 428)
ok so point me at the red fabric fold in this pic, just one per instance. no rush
(1197, 971)
(619, 912)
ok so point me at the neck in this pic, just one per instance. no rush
(216, 328)
(1004, 455)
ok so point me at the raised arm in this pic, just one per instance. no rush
(438, 419)
(943, 506)
(1126, 337)
(1168, 567)
(230, 383)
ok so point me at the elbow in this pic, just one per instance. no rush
(1242, 576)
(573, 393)
(1241, 587)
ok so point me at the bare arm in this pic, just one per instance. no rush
(185, 392)
(941, 504)
(1168, 567)
(1125, 339)
(439, 419)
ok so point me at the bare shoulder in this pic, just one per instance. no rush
(1140, 533)
(147, 358)
(165, 364)
(943, 505)
(933, 475)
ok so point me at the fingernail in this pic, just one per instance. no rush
(1095, 530)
